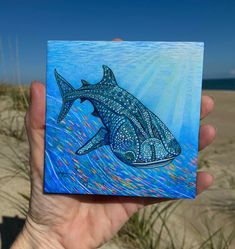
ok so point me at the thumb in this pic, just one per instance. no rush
(35, 116)
(35, 124)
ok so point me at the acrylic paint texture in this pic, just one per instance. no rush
(136, 131)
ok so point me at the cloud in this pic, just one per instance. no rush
(232, 72)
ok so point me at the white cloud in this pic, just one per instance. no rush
(232, 72)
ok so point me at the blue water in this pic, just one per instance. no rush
(165, 77)
(219, 84)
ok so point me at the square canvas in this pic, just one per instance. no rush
(122, 118)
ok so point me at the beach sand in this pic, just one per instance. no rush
(218, 159)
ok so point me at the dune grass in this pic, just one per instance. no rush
(220, 238)
(16, 99)
(140, 231)
(15, 153)
(19, 94)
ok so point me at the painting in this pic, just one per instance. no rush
(122, 118)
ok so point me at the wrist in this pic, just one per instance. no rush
(34, 236)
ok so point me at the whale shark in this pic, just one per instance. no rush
(135, 135)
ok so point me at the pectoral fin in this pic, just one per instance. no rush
(98, 140)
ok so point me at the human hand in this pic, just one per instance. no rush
(73, 221)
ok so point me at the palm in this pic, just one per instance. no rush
(100, 217)
(75, 218)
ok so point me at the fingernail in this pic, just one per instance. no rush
(209, 181)
(32, 91)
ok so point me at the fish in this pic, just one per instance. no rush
(135, 135)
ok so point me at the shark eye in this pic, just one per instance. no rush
(130, 156)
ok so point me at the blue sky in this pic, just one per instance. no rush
(25, 26)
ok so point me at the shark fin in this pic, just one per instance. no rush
(63, 84)
(64, 110)
(85, 83)
(98, 140)
(108, 77)
(64, 88)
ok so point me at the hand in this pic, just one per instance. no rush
(83, 222)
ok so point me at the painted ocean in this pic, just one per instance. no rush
(87, 153)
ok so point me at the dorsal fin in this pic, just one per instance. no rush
(108, 77)
(85, 83)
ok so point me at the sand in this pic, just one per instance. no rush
(217, 159)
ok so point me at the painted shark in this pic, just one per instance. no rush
(136, 136)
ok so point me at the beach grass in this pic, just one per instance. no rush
(14, 102)
(19, 94)
(149, 228)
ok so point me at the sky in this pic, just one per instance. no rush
(25, 27)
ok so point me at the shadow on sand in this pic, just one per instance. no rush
(9, 229)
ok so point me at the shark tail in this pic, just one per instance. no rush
(65, 88)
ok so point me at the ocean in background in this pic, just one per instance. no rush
(218, 84)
